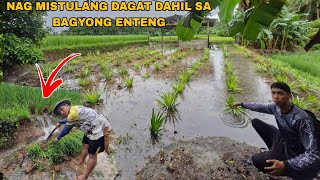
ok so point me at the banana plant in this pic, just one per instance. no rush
(261, 13)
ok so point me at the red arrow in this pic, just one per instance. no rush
(49, 87)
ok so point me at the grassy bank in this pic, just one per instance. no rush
(71, 42)
(216, 39)
(304, 86)
(165, 38)
(306, 62)
(212, 38)
(18, 102)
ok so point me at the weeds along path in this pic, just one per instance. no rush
(305, 87)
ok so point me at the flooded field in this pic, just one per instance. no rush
(201, 111)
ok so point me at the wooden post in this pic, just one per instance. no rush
(148, 36)
(208, 32)
(161, 37)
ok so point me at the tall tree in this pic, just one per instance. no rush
(22, 31)
(27, 24)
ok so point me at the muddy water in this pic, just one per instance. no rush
(201, 107)
(254, 87)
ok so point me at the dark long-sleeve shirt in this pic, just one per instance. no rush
(65, 129)
(300, 136)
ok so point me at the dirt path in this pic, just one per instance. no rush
(203, 158)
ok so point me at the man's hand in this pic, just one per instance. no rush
(277, 168)
(58, 125)
(56, 139)
(236, 104)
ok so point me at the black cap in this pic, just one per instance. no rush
(61, 103)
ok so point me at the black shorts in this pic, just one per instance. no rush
(95, 146)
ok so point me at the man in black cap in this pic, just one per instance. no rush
(294, 148)
(95, 127)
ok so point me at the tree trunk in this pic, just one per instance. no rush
(318, 10)
(276, 42)
(313, 41)
(283, 38)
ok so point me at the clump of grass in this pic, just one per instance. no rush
(159, 56)
(232, 84)
(85, 72)
(301, 102)
(129, 82)
(229, 67)
(136, 66)
(146, 76)
(312, 99)
(97, 53)
(304, 87)
(123, 71)
(168, 101)
(166, 64)
(117, 62)
(125, 139)
(152, 59)
(92, 97)
(157, 121)
(174, 59)
(178, 88)
(157, 66)
(238, 111)
(74, 62)
(225, 51)
(260, 68)
(146, 63)
(108, 74)
(70, 69)
(35, 151)
(84, 82)
(184, 77)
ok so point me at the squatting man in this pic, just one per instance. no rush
(294, 148)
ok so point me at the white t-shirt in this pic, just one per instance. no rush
(88, 121)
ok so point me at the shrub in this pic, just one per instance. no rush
(19, 51)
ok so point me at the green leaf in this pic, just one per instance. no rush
(185, 33)
(195, 24)
(236, 28)
(254, 22)
(226, 10)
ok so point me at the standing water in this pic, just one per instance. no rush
(200, 108)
